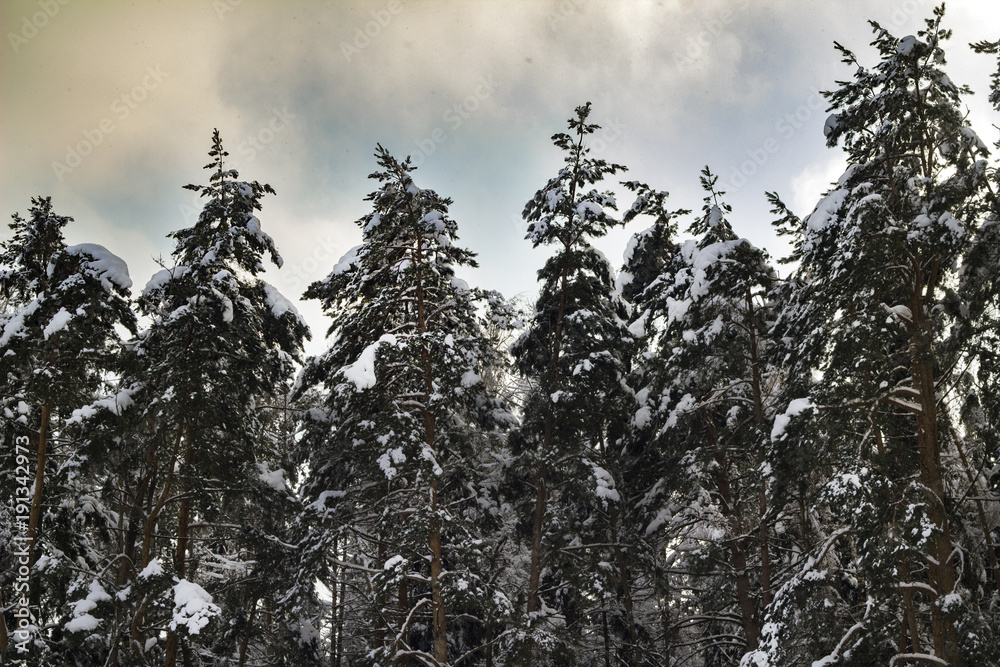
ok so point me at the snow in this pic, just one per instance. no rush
(638, 327)
(388, 458)
(796, 407)
(394, 563)
(109, 267)
(605, 484)
(686, 403)
(470, 378)
(553, 198)
(193, 607)
(116, 404)
(362, 371)
(153, 569)
(714, 217)
(279, 305)
(83, 623)
(162, 277)
(662, 517)
(585, 207)
(701, 260)
(58, 322)
(901, 312)
(16, 323)
(273, 478)
(906, 44)
(826, 210)
(373, 222)
(632, 244)
(348, 261)
(949, 601)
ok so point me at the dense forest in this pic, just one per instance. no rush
(693, 459)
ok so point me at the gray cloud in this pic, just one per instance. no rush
(472, 89)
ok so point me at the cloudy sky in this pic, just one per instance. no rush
(109, 107)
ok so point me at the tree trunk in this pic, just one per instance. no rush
(180, 554)
(910, 621)
(35, 518)
(942, 575)
(758, 411)
(439, 617)
(737, 546)
(635, 652)
(440, 620)
(245, 642)
(4, 637)
(340, 620)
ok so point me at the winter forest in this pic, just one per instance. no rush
(704, 457)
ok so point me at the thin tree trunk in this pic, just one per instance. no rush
(626, 584)
(180, 554)
(340, 617)
(440, 619)
(334, 605)
(910, 622)
(758, 410)
(541, 476)
(35, 518)
(439, 616)
(991, 553)
(245, 642)
(737, 546)
(4, 637)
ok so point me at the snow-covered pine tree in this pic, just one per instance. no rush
(976, 336)
(705, 396)
(220, 340)
(647, 255)
(575, 353)
(57, 346)
(893, 575)
(396, 453)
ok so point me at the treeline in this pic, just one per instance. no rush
(689, 461)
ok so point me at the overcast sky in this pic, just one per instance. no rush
(109, 107)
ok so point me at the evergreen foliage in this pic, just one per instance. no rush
(694, 462)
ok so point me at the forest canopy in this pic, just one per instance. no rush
(694, 458)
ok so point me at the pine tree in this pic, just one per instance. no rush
(397, 450)
(220, 341)
(705, 396)
(575, 353)
(56, 349)
(891, 570)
